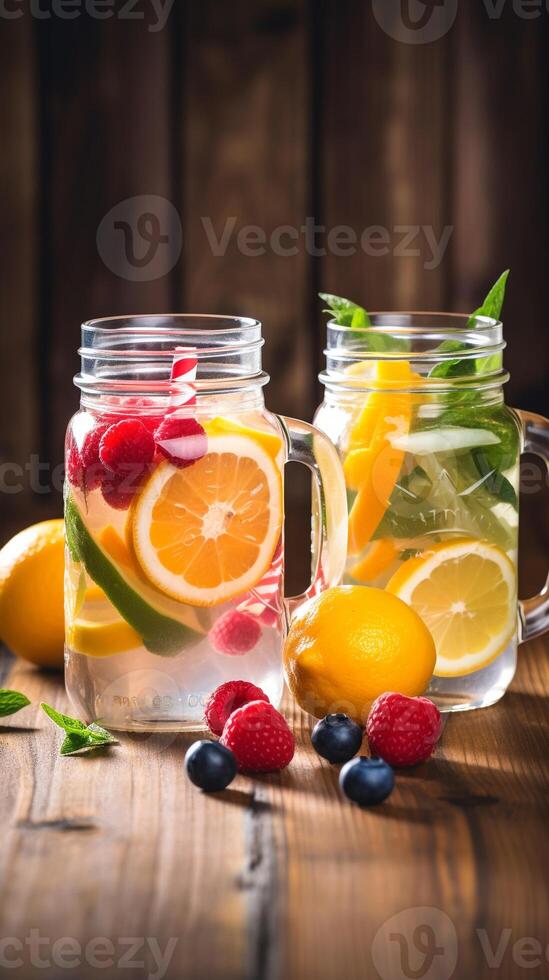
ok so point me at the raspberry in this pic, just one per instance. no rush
(235, 633)
(126, 443)
(259, 737)
(182, 441)
(403, 731)
(94, 470)
(75, 466)
(226, 699)
(119, 489)
(84, 468)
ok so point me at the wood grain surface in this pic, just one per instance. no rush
(279, 877)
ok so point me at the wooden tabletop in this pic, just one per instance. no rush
(118, 861)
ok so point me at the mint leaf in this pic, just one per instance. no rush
(462, 367)
(64, 721)
(360, 319)
(349, 314)
(493, 302)
(79, 737)
(494, 481)
(76, 743)
(345, 312)
(454, 367)
(490, 364)
(11, 701)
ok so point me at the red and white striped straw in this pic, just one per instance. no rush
(182, 376)
(263, 601)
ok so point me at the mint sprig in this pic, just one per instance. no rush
(345, 312)
(493, 301)
(79, 737)
(465, 367)
(11, 701)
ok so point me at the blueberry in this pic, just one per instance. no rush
(367, 781)
(337, 738)
(210, 765)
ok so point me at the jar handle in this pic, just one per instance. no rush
(534, 612)
(307, 444)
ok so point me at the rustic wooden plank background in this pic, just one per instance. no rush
(264, 114)
(279, 876)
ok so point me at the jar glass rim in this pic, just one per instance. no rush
(137, 351)
(468, 320)
(431, 342)
(154, 321)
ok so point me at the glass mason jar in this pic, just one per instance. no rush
(174, 520)
(415, 407)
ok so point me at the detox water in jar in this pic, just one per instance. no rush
(431, 459)
(174, 520)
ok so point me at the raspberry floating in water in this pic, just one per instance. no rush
(119, 489)
(403, 730)
(84, 467)
(181, 441)
(235, 633)
(259, 737)
(126, 443)
(226, 699)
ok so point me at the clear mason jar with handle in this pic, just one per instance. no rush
(174, 520)
(431, 453)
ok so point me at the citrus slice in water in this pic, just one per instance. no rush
(101, 633)
(373, 464)
(465, 592)
(267, 439)
(207, 533)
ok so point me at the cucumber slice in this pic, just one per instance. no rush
(161, 634)
(427, 441)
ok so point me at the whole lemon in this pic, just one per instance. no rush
(352, 643)
(31, 594)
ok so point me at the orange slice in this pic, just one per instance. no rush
(207, 533)
(374, 463)
(465, 592)
(379, 557)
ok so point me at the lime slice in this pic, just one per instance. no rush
(160, 633)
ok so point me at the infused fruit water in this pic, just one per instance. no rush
(174, 565)
(174, 520)
(430, 457)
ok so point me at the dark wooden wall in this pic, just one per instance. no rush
(267, 111)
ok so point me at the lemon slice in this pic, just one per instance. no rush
(465, 592)
(101, 633)
(207, 533)
(220, 426)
